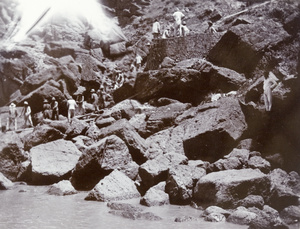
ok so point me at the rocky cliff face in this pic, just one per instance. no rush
(192, 118)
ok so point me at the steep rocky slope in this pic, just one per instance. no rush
(192, 123)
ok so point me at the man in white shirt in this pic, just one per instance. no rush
(156, 29)
(178, 15)
(71, 108)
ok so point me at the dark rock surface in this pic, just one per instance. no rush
(100, 159)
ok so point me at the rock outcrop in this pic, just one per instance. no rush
(115, 186)
(226, 188)
(53, 161)
(100, 159)
(62, 188)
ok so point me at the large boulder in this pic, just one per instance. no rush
(290, 215)
(12, 154)
(283, 190)
(62, 188)
(186, 84)
(156, 196)
(181, 181)
(121, 128)
(226, 188)
(206, 132)
(5, 183)
(40, 135)
(156, 170)
(164, 117)
(115, 186)
(75, 128)
(267, 218)
(101, 158)
(53, 161)
(242, 47)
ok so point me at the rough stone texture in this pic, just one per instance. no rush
(76, 127)
(260, 163)
(226, 188)
(290, 215)
(241, 216)
(252, 201)
(53, 161)
(156, 170)
(100, 159)
(181, 181)
(215, 217)
(225, 164)
(242, 46)
(215, 210)
(12, 155)
(179, 49)
(82, 142)
(121, 128)
(115, 186)
(241, 154)
(62, 188)
(40, 135)
(206, 132)
(164, 117)
(104, 122)
(186, 84)
(5, 183)
(155, 196)
(282, 193)
(267, 218)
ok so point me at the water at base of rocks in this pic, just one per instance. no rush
(31, 207)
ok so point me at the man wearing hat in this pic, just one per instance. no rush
(12, 116)
(55, 112)
(46, 109)
(95, 100)
(27, 114)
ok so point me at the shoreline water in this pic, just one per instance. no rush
(31, 207)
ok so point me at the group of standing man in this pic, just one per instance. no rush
(13, 115)
(179, 28)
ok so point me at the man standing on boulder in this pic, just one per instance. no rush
(269, 84)
(27, 114)
(95, 100)
(71, 108)
(12, 117)
(178, 16)
(55, 112)
(156, 29)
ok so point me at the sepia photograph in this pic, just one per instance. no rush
(153, 114)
